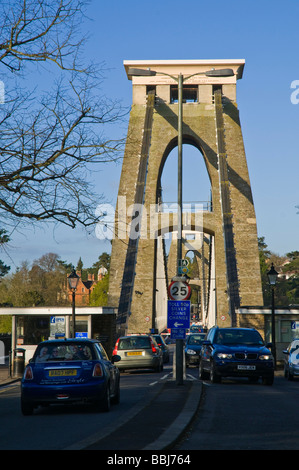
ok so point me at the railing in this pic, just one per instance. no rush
(190, 206)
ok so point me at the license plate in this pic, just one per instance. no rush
(62, 373)
(134, 353)
(240, 367)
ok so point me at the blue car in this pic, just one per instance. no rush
(236, 352)
(70, 371)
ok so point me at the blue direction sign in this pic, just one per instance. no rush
(178, 333)
(178, 314)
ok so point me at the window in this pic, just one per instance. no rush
(150, 88)
(217, 87)
(190, 94)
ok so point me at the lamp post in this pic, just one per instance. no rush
(180, 80)
(73, 280)
(272, 277)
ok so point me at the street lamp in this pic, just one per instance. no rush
(272, 277)
(180, 80)
(73, 280)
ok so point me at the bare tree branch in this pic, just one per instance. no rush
(47, 143)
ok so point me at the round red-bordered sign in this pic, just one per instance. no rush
(179, 290)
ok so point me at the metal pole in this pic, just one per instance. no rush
(180, 168)
(273, 328)
(73, 314)
(180, 342)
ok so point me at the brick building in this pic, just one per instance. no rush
(85, 288)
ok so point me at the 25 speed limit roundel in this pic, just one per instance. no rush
(179, 290)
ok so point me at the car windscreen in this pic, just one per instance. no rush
(63, 352)
(134, 343)
(195, 339)
(230, 337)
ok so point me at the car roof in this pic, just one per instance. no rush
(69, 340)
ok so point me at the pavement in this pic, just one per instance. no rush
(155, 423)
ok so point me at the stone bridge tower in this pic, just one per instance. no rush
(138, 273)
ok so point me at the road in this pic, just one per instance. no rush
(237, 415)
(58, 427)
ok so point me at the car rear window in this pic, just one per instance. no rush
(63, 352)
(133, 342)
(196, 339)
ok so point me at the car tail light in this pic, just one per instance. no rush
(97, 371)
(114, 353)
(154, 349)
(28, 374)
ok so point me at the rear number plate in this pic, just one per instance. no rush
(134, 353)
(240, 367)
(62, 373)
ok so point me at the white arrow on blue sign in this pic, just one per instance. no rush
(178, 314)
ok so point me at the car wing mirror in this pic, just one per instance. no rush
(115, 358)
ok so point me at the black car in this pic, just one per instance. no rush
(193, 347)
(236, 352)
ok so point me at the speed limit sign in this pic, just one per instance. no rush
(179, 290)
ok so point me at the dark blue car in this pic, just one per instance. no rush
(70, 371)
(236, 352)
(193, 348)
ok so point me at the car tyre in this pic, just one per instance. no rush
(105, 404)
(289, 375)
(27, 408)
(202, 373)
(268, 380)
(116, 399)
(214, 377)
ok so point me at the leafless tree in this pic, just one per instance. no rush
(48, 142)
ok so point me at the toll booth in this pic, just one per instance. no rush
(32, 325)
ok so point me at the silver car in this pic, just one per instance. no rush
(138, 352)
(291, 360)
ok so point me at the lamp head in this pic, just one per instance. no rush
(73, 279)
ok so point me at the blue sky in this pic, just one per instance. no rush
(265, 34)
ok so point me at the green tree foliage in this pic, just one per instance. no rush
(39, 284)
(286, 291)
(99, 295)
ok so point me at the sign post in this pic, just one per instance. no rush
(178, 319)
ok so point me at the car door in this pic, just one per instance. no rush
(110, 368)
(207, 350)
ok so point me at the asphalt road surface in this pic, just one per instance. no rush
(237, 415)
(58, 427)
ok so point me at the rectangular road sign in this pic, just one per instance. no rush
(178, 314)
(178, 333)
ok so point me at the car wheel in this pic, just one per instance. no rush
(268, 380)
(27, 408)
(202, 373)
(214, 377)
(105, 404)
(289, 375)
(116, 399)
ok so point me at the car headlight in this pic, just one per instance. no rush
(266, 357)
(191, 351)
(224, 356)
